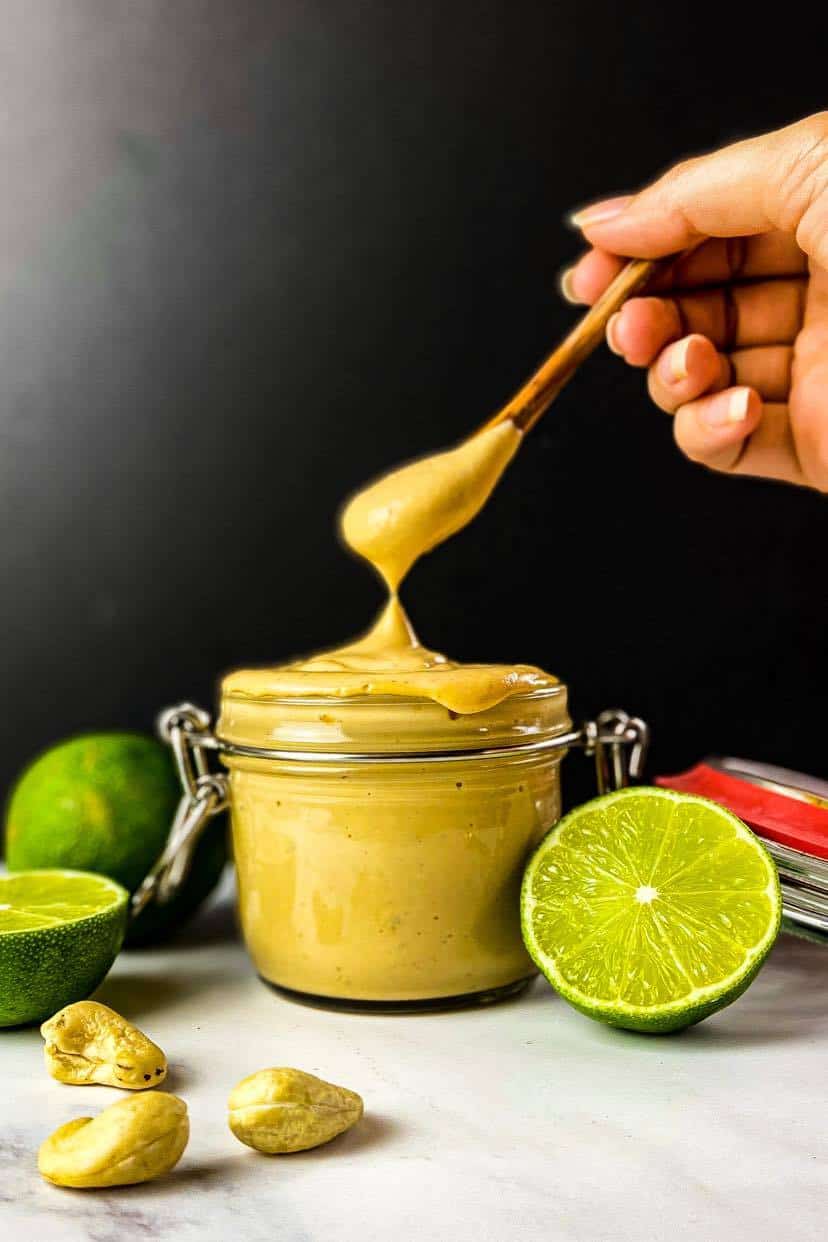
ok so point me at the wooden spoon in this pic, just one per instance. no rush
(540, 390)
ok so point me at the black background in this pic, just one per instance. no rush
(253, 254)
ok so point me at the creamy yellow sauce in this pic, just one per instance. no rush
(394, 885)
(390, 881)
(408, 512)
(392, 524)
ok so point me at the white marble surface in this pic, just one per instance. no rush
(525, 1121)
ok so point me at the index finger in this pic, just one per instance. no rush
(716, 262)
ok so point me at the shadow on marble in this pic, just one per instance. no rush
(372, 1131)
(215, 924)
(179, 1078)
(226, 1171)
(787, 1001)
(139, 995)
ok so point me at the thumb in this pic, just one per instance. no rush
(776, 181)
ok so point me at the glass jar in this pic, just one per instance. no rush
(380, 841)
(384, 864)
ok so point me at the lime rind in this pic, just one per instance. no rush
(593, 860)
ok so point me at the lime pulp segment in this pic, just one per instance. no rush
(650, 909)
(40, 899)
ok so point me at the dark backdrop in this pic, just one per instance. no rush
(254, 253)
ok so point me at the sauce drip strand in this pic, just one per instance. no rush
(392, 523)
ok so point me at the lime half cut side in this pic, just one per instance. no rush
(650, 909)
(60, 931)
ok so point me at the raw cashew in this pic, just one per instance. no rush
(138, 1138)
(282, 1110)
(88, 1042)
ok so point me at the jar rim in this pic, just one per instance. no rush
(388, 725)
(536, 692)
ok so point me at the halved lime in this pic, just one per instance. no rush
(650, 909)
(60, 931)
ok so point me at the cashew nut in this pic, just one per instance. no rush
(134, 1140)
(88, 1042)
(282, 1110)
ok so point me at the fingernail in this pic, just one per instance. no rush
(731, 409)
(737, 405)
(612, 328)
(600, 213)
(566, 284)
(673, 366)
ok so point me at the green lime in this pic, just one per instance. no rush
(105, 802)
(650, 909)
(60, 931)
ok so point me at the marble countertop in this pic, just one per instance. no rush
(523, 1121)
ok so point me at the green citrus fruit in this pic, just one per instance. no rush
(104, 803)
(650, 909)
(60, 931)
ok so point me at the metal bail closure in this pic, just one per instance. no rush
(204, 794)
(619, 745)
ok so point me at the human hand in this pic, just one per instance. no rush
(735, 337)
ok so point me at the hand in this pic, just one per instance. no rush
(736, 336)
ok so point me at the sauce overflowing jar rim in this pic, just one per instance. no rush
(390, 728)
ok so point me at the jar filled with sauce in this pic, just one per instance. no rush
(384, 798)
(380, 846)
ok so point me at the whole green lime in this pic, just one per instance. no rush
(104, 802)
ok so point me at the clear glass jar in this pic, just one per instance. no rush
(379, 857)
(380, 842)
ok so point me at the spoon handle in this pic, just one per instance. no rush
(540, 390)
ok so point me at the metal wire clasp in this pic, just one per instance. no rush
(619, 744)
(204, 794)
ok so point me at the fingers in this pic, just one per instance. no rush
(587, 280)
(717, 262)
(761, 314)
(722, 260)
(685, 371)
(767, 370)
(751, 187)
(735, 432)
(642, 328)
(728, 428)
(713, 430)
(692, 367)
(768, 451)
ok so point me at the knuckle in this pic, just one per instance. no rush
(804, 177)
(682, 169)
